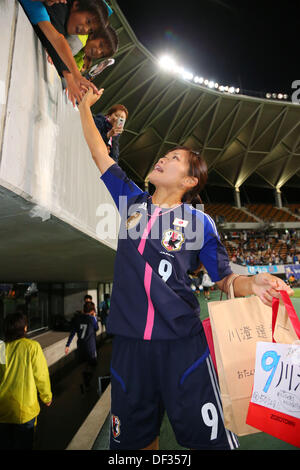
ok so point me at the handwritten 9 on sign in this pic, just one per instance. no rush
(288, 366)
(277, 377)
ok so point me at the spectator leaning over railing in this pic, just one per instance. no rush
(100, 45)
(86, 49)
(23, 375)
(55, 20)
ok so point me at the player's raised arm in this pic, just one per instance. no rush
(92, 136)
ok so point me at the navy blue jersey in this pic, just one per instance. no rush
(152, 297)
(85, 326)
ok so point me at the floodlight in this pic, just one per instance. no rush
(179, 70)
(187, 75)
(167, 63)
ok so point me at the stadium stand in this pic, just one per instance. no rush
(295, 208)
(260, 248)
(267, 212)
(226, 213)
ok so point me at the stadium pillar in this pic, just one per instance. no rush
(278, 200)
(237, 198)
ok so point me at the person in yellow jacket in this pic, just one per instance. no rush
(24, 376)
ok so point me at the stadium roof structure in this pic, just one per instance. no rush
(242, 138)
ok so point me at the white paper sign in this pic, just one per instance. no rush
(277, 377)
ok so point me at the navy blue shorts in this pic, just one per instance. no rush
(176, 376)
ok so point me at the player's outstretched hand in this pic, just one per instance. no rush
(90, 98)
(266, 286)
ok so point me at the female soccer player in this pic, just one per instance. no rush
(160, 358)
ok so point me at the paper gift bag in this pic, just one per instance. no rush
(275, 403)
(237, 325)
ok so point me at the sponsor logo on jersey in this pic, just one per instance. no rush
(115, 426)
(133, 220)
(180, 222)
(172, 240)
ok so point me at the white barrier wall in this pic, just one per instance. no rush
(44, 156)
(7, 22)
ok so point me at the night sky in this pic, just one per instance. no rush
(253, 45)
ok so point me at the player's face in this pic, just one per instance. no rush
(82, 22)
(170, 170)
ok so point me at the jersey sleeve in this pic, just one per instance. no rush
(35, 11)
(73, 332)
(120, 186)
(213, 254)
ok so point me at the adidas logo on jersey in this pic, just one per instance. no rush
(143, 206)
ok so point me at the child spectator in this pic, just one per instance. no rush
(109, 128)
(23, 373)
(97, 46)
(53, 23)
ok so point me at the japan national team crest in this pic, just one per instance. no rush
(172, 240)
(115, 426)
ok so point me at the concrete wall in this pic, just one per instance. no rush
(44, 157)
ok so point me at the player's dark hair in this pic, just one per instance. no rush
(97, 7)
(14, 326)
(197, 169)
(89, 307)
(87, 296)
